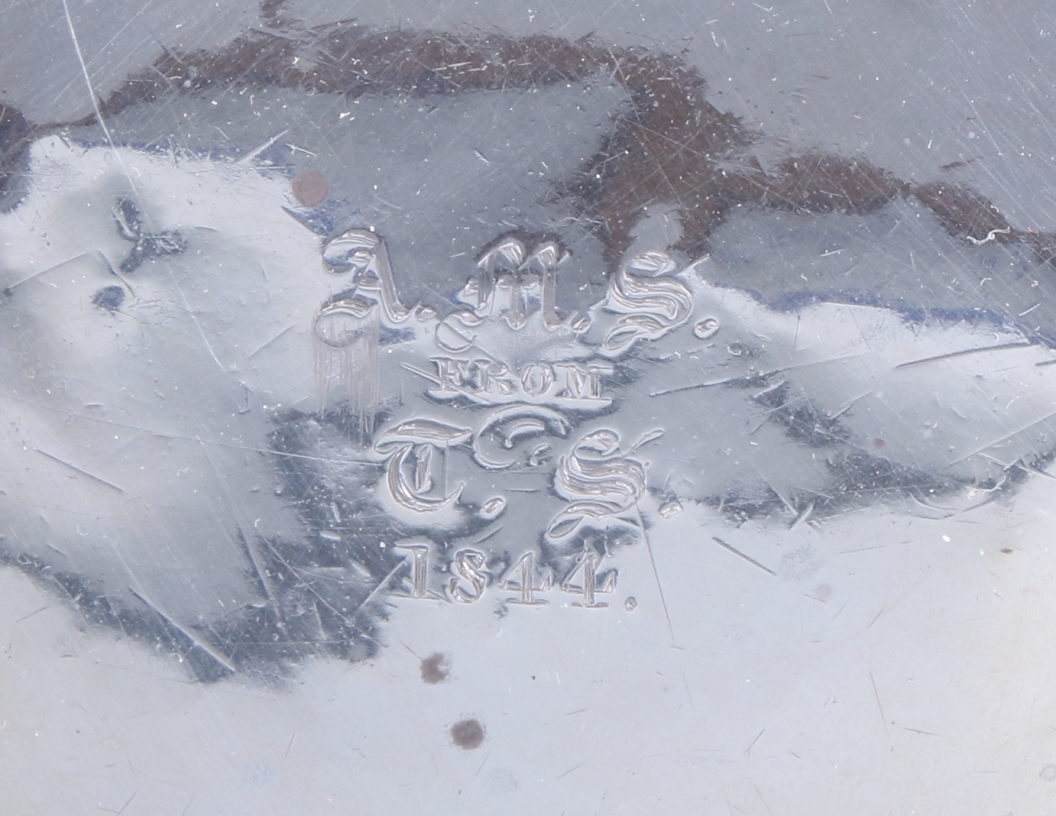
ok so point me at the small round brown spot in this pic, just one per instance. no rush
(467, 734)
(435, 669)
(310, 188)
(879, 443)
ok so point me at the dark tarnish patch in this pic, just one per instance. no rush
(15, 135)
(145, 625)
(109, 298)
(963, 212)
(800, 419)
(14, 130)
(467, 734)
(435, 669)
(636, 165)
(863, 478)
(310, 188)
(817, 183)
(265, 641)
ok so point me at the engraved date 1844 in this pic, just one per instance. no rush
(523, 582)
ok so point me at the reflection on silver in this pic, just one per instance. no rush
(330, 446)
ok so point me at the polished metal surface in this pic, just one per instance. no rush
(526, 411)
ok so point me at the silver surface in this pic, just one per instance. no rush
(345, 469)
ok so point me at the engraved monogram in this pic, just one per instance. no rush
(512, 415)
(332, 445)
(499, 393)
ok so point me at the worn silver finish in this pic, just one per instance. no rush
(346, 467)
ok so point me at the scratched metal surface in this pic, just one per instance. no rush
(516, 410)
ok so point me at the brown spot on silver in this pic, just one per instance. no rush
(310, 188)
(435, 669)
(467, 734)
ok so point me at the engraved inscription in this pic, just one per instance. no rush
(524, 578)
(351, 446)
(508, 414)
(585, 581)
(471, 576)
(491, 382)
